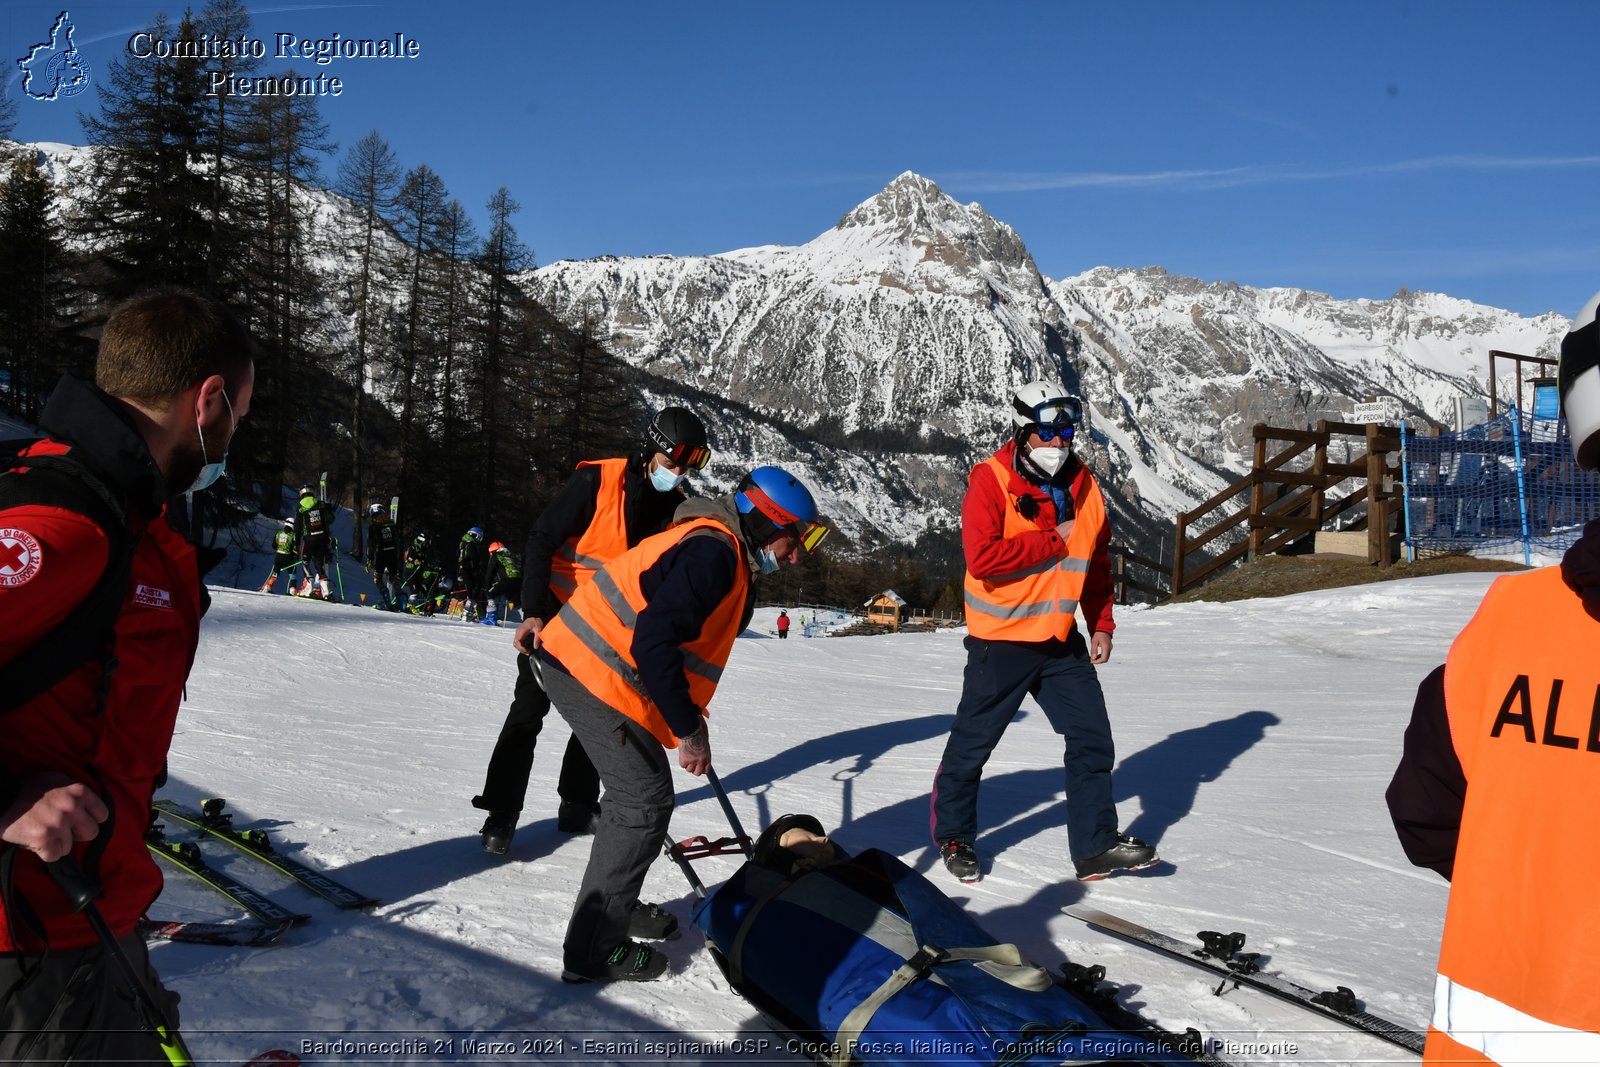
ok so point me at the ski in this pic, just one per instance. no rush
(1089, 985)
(186, 855)
(212, 933)
(213, 820)
(1220, 954)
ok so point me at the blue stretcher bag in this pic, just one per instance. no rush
(865, 961)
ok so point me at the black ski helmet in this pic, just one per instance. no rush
(679, 435)
(1578, 375)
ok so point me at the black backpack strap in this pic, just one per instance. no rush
(88, 633)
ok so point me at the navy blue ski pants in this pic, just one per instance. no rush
(1059, 676)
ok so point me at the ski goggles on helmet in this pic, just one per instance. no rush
(1056, 411)
(810, 534)
(694, 457)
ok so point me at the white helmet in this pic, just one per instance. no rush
(1579, 376)
(1042, 404)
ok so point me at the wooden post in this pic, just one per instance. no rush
(1177, 552)
(1377, 531)
(1257, 494)
(1319, 469)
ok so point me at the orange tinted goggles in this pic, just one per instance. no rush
(695, 456)
(813, 535)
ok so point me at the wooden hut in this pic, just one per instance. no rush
(885, 609)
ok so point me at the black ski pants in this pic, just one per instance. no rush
(1057, 674)
(76, 1008)
(633, 819)
(505, 786)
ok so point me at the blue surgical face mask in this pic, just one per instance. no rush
(212, 471)
(665, 481)
(766, 559)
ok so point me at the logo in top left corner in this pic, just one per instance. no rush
(55, 69)
(20, 558)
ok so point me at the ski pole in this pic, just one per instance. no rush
(727, 809)
(81, 890)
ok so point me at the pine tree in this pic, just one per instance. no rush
(368, 178)
(501, 340)
(594, 407)
(148, 212)
(281, 140)
(222, 141)
(8, 115)
(35, 294)
(421, 369)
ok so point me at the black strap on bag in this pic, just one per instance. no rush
(88, 633)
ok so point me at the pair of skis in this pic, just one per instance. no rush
(272, 920)
(1222, 955)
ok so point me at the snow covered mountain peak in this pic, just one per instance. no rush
(915, 236)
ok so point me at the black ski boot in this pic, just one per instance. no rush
(628, 962)
(1128, 854)
(575, 818)
(497, 831)
(652, 922)
(961, 860)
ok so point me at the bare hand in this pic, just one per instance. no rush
(1099, 647)
(694, 751)
(50, 814)
(526, 639)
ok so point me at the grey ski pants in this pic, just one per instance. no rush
(634, 812)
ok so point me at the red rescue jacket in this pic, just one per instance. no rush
(55, 558)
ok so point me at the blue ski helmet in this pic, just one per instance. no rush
(772, 501)
(476, 532)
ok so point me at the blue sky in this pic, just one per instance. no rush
(1351, 148)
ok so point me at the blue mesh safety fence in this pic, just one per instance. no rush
(1509, 482)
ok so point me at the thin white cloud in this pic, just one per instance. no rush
(1236, 177)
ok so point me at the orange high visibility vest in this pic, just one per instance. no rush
(1517, 977)
(592, 635)
(1036, 604)
(605, 539)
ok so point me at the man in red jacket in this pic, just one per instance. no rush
(1037, 539)
(84, 536)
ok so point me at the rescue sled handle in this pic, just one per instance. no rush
(727, 809)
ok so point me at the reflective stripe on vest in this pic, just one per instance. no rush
(592, 635)
(1502, 1034)
(605, 538)
(1038, 602)
(1522, 693)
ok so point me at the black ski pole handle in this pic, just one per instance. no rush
(81, 888)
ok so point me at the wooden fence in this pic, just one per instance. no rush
(1288, 505)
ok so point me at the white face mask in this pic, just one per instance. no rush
(1049, 460)
(212, 471)
(664, 480)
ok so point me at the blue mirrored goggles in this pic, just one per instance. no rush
(1050, 433)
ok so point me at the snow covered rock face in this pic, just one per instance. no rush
(920, 314)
